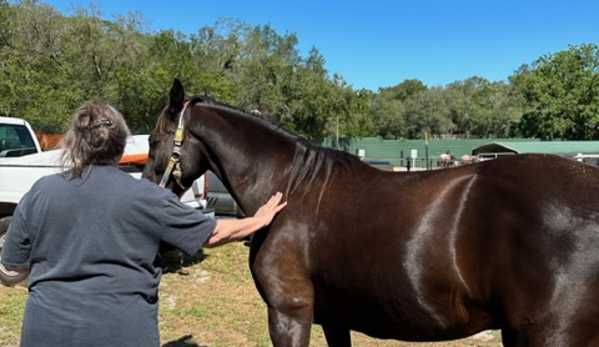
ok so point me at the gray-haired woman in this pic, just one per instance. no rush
(89, 238)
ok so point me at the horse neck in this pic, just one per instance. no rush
(250, 157)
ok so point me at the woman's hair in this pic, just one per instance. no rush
(97, 135)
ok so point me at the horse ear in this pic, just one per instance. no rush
(176, 99)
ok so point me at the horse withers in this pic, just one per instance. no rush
(510, 244)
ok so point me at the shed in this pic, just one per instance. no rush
(564, 148)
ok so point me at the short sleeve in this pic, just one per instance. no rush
(183, 226)
(16, 251)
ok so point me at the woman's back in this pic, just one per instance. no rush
(93, 255)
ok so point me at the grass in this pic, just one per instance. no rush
(209, 300)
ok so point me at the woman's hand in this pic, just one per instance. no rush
(228, 230)
(268, 211)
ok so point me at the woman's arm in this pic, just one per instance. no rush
(228, 230)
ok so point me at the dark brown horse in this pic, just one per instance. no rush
(510, 244)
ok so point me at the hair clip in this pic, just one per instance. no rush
(99, 123)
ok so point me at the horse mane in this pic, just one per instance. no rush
(312, 162)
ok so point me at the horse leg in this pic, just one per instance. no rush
(288, 331)
(336, 336)
(509, 338)
(529, 336)
(290, 301)
(286, 288)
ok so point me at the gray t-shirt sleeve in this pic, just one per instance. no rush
(183, 226)
(16, 251)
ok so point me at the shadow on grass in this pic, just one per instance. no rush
(174, 261)
(185, 341)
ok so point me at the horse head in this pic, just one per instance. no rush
(174, 159)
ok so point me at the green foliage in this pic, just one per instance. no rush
(473, 107)
(481, 108)
(51, 63)
(561, 91)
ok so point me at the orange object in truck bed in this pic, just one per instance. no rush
(136, 159)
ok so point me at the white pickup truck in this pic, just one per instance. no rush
(22, 162)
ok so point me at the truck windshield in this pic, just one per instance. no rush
(15, 140)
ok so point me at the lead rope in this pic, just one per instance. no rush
(176, 156)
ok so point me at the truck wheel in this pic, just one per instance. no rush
(8, 277)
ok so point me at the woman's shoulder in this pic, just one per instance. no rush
(146, 188)
(111, 180)
(49, 180)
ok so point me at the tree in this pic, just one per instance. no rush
(264, 71)
(388, 108)
(561, 92)
(54, 63)
(428, 112)
(32, 75)
(481, 108)
(8, 61)
(405, 90)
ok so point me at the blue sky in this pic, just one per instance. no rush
(373, 43)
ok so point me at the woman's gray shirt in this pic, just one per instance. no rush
(91, 245)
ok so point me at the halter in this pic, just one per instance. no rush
(174, 166)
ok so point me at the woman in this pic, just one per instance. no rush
(89, 237)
